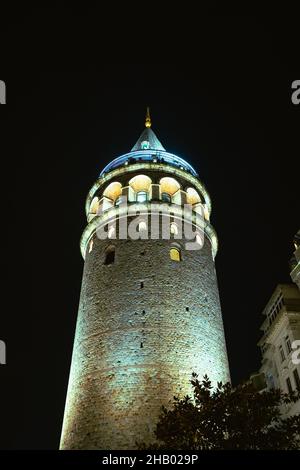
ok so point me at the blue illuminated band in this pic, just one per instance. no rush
(149, 155)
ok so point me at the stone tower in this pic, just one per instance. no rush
(149, 312)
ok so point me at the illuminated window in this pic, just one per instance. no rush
(141, 196)
(169, 186)
(109, 255)
(175, 254)
(140, 183)
(192, 197)
(142, 226)
(145, 145)
(113, 191)
(174, 228)
(94, 206)
(91, 245)
(165, 197)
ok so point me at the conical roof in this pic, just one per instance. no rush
(148, 140)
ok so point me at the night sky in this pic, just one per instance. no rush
(220, 97)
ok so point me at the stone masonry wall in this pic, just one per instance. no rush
(136, 344)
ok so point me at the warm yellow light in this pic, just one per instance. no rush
(140, 183)
(175, 254)
(113, 190)
(169, 185)
(148, 119)
(94, 206)
(192, 197)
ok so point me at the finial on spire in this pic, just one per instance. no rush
(148, 119)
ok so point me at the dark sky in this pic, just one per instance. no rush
(220, 97)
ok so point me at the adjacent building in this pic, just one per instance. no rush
(281, 335)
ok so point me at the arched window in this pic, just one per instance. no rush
(94, 206)
(168, 187)
(109, 255)
(142, 226)
(113, 191)
(192, 197)
(175, 254)
(140, 185)
(145, 145)
(174, 228)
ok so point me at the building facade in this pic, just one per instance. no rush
(281, 328)
(149, 312)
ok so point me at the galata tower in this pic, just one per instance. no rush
(149, 312)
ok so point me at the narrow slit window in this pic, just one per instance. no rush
(110, 256)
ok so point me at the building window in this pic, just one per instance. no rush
(145, 145)
(165, 197)
(281, 351)
(175, 254)
(288, 344)
(289, 385)
(169, 185)
(140, 183)
(141, 196)
(296, 378)
(110, 255)
(192, 197)
(113, 191)
(94, 206)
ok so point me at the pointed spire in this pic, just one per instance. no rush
(148, 118)
(147, 139)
